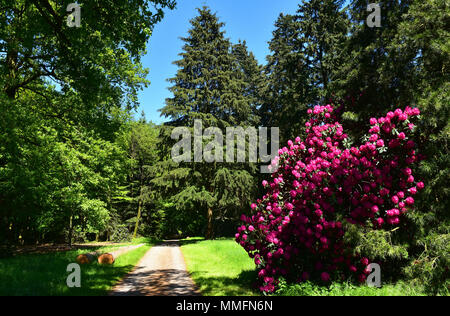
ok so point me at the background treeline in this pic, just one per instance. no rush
(74, 165)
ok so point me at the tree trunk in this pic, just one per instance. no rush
(70, 235)
(11, 62)
(87, 258)
(138, 217)
(210, 229)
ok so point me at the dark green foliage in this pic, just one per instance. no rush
(216, 83)
(306, 48)
(60, 167)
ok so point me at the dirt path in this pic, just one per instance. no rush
(161, 272)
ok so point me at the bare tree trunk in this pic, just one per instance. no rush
(70, 235)
(11, 62)
(138, 217)
(210, 229)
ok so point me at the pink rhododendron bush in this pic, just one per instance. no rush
(296, 229)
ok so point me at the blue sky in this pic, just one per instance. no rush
(249, 20)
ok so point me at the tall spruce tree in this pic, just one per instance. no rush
(252, 74)
(209, 86)
(375, 73)
(306, 47)
(323, 27)
(286, 92)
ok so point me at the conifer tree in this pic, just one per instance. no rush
(306, 47)
(375, 72)
(209, 86)
(253, 76)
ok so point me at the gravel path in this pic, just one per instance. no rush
(161, 272)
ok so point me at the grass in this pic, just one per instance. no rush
(222, 267)
(347, 289)
(45, 274)
(219, 267)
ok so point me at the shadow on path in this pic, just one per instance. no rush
(161, 272)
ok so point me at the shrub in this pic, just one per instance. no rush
(323, 184)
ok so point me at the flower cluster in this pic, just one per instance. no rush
(296, 229)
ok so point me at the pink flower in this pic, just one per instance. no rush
(413, 190)
(403, 117)
(365, 261)
(395, 199)
(409, 200)
(380, 143)
(325, 277)
(401, 136)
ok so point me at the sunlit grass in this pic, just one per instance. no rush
(348, 289)
(219, 267)
(45, 274)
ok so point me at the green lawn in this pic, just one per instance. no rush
(45, 274)
(347, 289)
(222, 267)
(219, 267)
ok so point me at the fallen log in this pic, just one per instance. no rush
(106, 258)
(87, 258)
(90, 257)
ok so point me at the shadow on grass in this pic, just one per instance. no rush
(46, 274)
(184, 242)
(243, 285)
